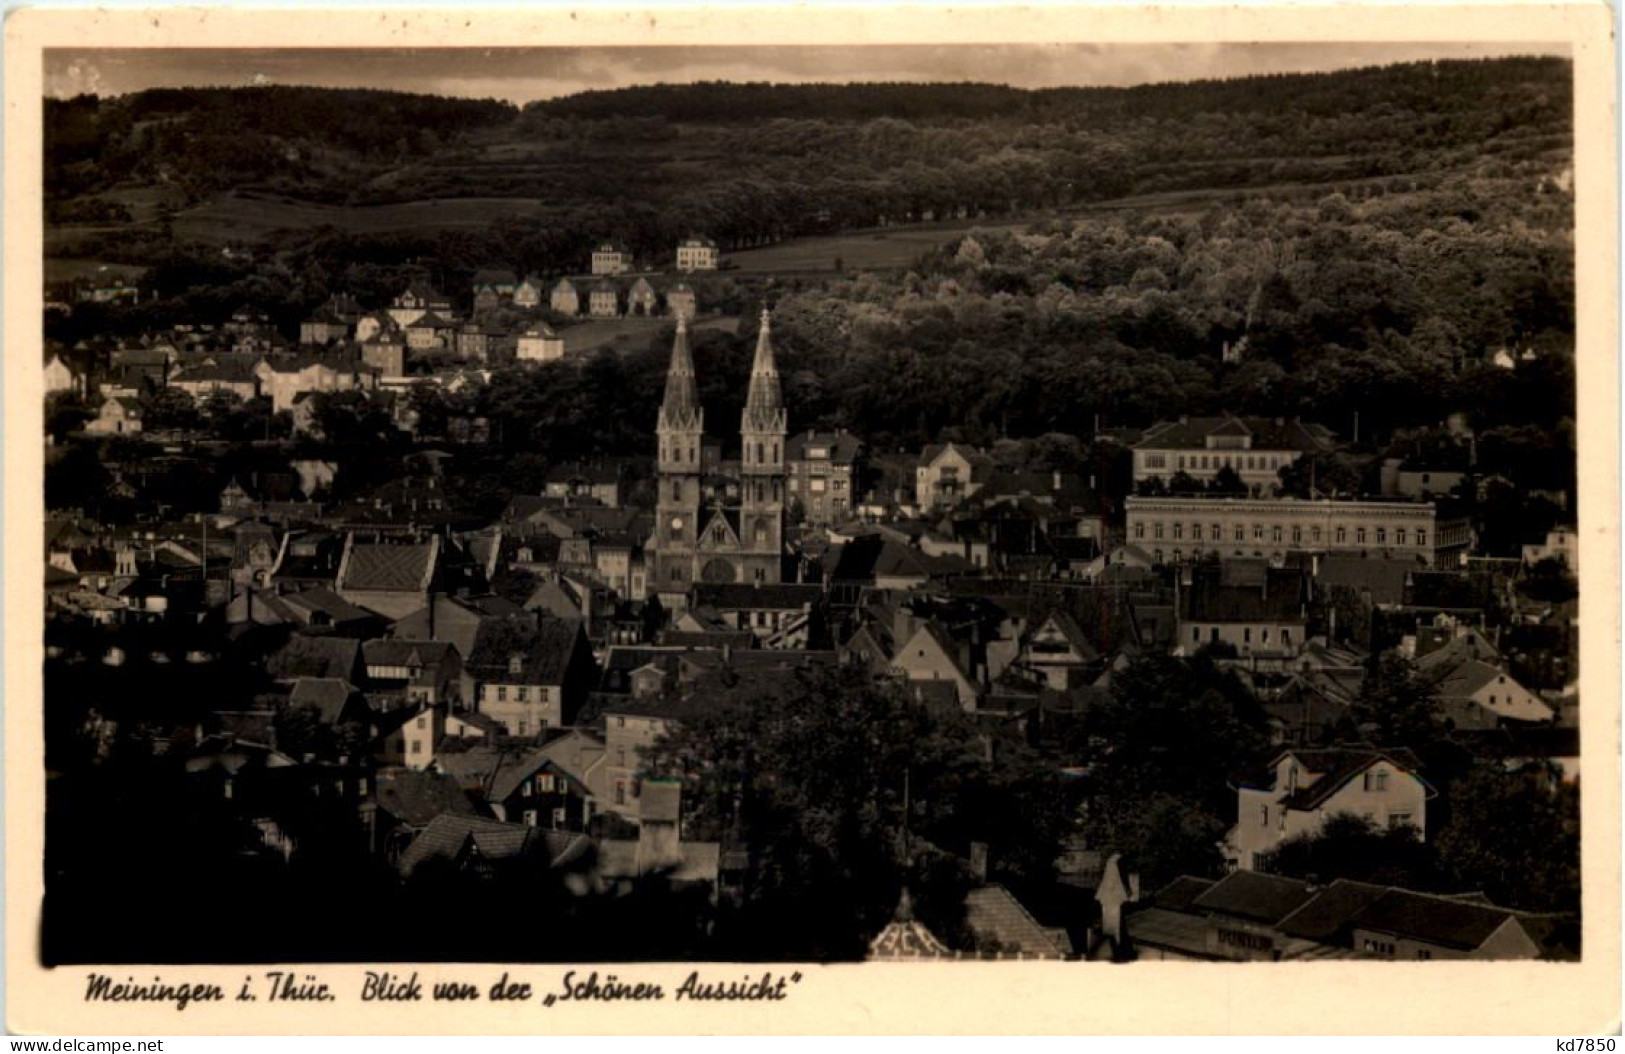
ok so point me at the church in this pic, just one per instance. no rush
(700, 535)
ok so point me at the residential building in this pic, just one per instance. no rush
(1306, 787)
(604, 301)
(611, 258)
(286, 377)
(598, 481)
(1561, 544)
(948, 473)
(391, 579)
(529, 293)
(697, 253)
(431, 331)
(118, 415)
(1258, 610)
(564, 298)
(680, 301)
(539, 343)
(641, 298)
(385, 352)
(59, 375)
(778, 616)
(533, 680)
(1256, 449)
(417, 300)
(822, 475)
(232, 374)
(1177, 529)
(421, 671)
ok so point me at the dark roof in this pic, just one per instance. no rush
(841, 448)
(1338, 766)
(546, 650)
(1267, 434)
(784, 596)
(306, 656)
(395, 652)
(1436, 920)
(1255, 896)
(1326, 916)
(416, 798)
(1178, 894)
(1383, 578)
(447, 834)
(1229, 593)
(389, 568)
(332, 697)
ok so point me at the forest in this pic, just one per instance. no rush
(756, 163)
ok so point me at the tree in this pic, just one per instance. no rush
(65, 413)
(1397, 705)
(1351, 847)
(168, 408)
(1515, 836)
(1319, 475)
(1227, 482)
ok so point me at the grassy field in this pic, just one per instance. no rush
(629, 333)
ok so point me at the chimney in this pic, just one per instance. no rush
(978, 861)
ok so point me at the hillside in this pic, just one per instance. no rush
(754, 164)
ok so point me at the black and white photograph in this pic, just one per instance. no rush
(760, 504)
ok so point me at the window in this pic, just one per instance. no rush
(1179, 554)
(1264, 635)
(1286, 638)
(423, 722)
(1421, 537)
(620, 722)
(1376, 780)
(524, 728)
(417, 746)
(1241, 533)
(502, 693)
(1359, 536)
(1382, 536)
(1399, 819)
(524, 694)
(1139, 530)
(1378, 947)
(1214, 532)
(1423, 954)
(1246, 634)
(1258, 532)
(1156, 531)
(1399, 536)
(1263, 815)
(1179, 531)
(620, 792)
(1314, 533)
(620, 756)
(1275, 535)
(1297, 536)
(1156, 461)
(1196, 633)
(1156, 556)
(1342, 535)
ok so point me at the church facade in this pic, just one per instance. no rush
(700, 535)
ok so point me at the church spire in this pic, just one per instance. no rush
(681, 408)
(764, 406)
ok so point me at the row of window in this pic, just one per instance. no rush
(1246, 635)
(522, 693)
(1276, 533)
(1213, 462)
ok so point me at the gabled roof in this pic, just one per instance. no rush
(545, 651)
(840, 448)
(1337, 767)
(416, 798)
(992, 912)
(449, 835)
(1267, 434)
(1255, 896)
(1444, 921)
(394, 652)
(304, 656)
(332, 697)
(384, 567)
(1326, 916)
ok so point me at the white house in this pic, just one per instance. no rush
(697, 253)
(1308, 787)
(539, 343)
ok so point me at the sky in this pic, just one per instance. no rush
(521, 75)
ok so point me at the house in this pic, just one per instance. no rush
(564, 299)
(325, 326)
(1251, 916)
(59, 375)
(551, 786)
(1402, 478)
(599, 481)
(233, 375)
(420, 671)
(315, 656)
(408, 801)
(1475, 694)
(286, 377)
(697, 253)
(407, 736)
(430, 331)
(385, 352)
(118, 415)
(822, 471)
(335, 700)
(681, 303)
(1561, 544)
(471, 845)
(373, 323)
(456, 621)
(391, 579)
(1256, 609)
(641, 299)
(611, 258)
(604, 301)
(1306, 787)
(528, 293)
(948, 473)
(417, 300)
(930, 655)
(1256, 449)
(1002, 925)
(1058, 653)
(778, 615)
(473, 342)
(539, 343)
(531, 679)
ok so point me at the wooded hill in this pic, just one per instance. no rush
(753, 163)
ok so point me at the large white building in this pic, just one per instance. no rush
(1255, 448)
(1177, 529)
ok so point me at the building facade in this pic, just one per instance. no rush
(698, 253)
(739, 540)
(1256, 449)
(1178, 529)
(822, 469)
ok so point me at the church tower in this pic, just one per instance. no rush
(762, 430)
(680, 431)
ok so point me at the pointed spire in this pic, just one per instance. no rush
(764, 406)
(681, 407)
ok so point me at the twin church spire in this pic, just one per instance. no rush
(680, 410)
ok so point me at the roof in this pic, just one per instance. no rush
(306, 656)
(416, 798)
(1338, 767)
(993, 912)
(981, 464)
(330, 696)
(841, 448)
(1216, 595)
(1437, 920)
(1164, 928)
(1178, 894)
(1254, 895)
(1326, 915)
(382, 567)
(545, 650)
(395, 652)
(784, 596)
(1267, 434)
(447, 835)
(1383, 578)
